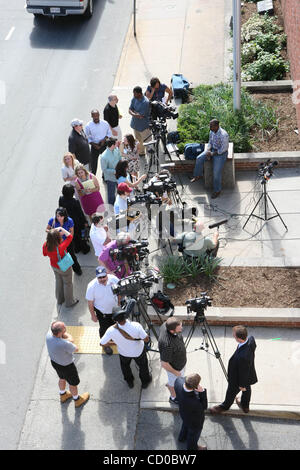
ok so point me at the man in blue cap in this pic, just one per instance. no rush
(101, 301)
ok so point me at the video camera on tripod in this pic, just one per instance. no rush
(148, 198)
(133, 253)
(131, 285)
(198, 304)
(265, 170)
(159, 110)
(159, 184)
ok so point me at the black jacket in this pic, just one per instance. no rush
(79, 145)
(241, 369)
(191, 405)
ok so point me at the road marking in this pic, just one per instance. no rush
(10, 33)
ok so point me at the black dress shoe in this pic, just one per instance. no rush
(78, 272)
(214, 195)
(145, 384)
(108, 350)
(130, 383)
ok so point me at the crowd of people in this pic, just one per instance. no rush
(79, 217)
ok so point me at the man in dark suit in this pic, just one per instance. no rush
(192, 401)
(241, 372)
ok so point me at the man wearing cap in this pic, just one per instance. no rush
(109, 159)
(130, 338)
(78, 143)
(120, 268)
(101, 301)
(97, 132)
(194, 244)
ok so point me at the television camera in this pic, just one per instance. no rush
(134, 252)
(159, 110)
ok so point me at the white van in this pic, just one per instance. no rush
(60, 7)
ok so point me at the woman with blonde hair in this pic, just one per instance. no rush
(88, 188)
(68, 168)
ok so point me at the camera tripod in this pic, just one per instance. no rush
(207, 338)
(265, 196)
(140, 309)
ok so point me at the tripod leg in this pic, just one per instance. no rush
(278, 215)
(252, 213)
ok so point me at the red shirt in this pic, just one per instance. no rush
(62, 247)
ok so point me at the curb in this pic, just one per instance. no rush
(260, 411)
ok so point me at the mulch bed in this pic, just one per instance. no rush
(244, 287)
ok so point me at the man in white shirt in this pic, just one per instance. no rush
(101, 301)
(97, 131)
(130, 338)
(98, 234)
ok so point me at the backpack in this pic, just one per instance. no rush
(161, 302)
(180, 86)
(173, 137)
(191, 151)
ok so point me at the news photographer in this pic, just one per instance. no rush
(101, 301)
(130, 338)
(121, 208)
(113, 265)
(194, 244)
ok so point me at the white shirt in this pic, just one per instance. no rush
(68, 172)
(98, 236)
(96, 132)
(120, 204)
(102, 296)
(126, 347)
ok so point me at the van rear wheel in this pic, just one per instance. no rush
(89, 10)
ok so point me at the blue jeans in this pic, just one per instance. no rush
(111, 191)
(218, 162)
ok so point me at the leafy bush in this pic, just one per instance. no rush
(172, 269)
(268, 66)
(217, 102)
(262, 43)
(259, 24)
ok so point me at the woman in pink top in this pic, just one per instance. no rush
(88, 188)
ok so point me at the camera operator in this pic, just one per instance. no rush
(101, 301)
(156, 91)
(194, 244)
(130, 338)
(119, 268)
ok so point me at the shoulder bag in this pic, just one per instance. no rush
(64, 263)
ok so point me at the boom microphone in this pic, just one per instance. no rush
(217, 224)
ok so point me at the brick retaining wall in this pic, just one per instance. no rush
(291, 14)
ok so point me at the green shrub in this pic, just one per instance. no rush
(172, 269)
(217, 102)
(262, 42)
(268, 66)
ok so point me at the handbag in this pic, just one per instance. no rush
(64, 263)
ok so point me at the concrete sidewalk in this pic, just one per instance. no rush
(189, 37)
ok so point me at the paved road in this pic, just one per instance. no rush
(52, 71)
(219, 433)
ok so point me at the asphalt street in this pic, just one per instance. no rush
(51, 71)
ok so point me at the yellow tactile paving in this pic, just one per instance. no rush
(87, 339)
